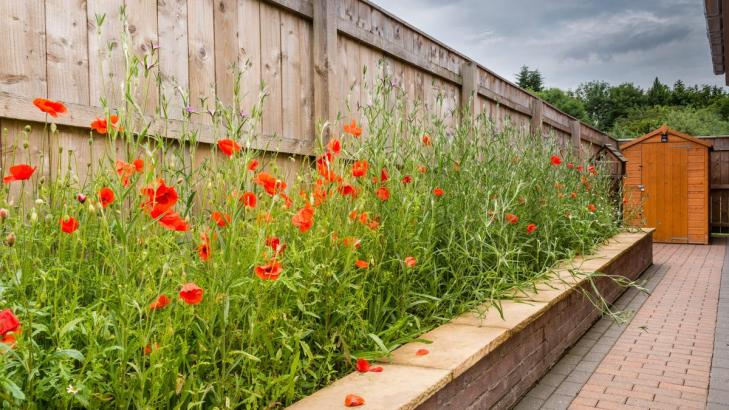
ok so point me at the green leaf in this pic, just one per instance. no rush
(69, 354)
(13, 388)
(379, 343)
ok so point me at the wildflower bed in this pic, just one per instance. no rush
(170, 280)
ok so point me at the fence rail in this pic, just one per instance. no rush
(309, 53)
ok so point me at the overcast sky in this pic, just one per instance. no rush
(572, 41)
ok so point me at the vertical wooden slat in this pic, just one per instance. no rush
(576, 139)
(469, 90)
(142, 16)
(67, 51)
(201, 57)
(23, 72)
(226, 48)
(173, 41)
(23, 34)
(249, 24)
(325, 60)
(537, 109)
(307, 80)
(291, 84)
(106, 61)
(271, 69)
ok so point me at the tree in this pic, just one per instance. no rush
(595, 95)
(565, 101)
(530, 79)
(658, 93)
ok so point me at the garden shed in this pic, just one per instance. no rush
(667, 185)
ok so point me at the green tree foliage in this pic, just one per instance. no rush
(627, 111)
(566, 101)
(530, 79)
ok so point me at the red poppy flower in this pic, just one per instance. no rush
(270, 184)
(363, 366)
(591, 208)
(384, 176)
(276, 245)
(20, 172)
(570, 165)
(438, 192)
(352, 129)
(422, 169)
(8, 322)
(304, 219)
(580, 168)
(100, 125)
(410, 261)
(161, 302)
(347, 189)
(591, 169)
(334, 146)
(50, 107)
(407, 179)
(555, 160)
(270, 271)
(511, 218)
(531, 228)
(81, 198)
(228, 146)
(159, 199)
(148, 349)
(125, 170)
(204, 248)
(422, 352)
(287, 201)
(191, 294)
(426, 140)
(220, 219)
(172, 221)
(69, 225)
(362, 264)
(252, 165)
(383, 193)
(106, 197)
(573, 195)
(352, 400)
(249, 199)
(359, 168)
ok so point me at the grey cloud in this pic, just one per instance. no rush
(572, 41)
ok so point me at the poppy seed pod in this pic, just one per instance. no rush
(10, 239)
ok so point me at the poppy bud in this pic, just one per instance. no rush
(81, 198)
(10, 239)
(4, 213)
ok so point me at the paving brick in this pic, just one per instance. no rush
(663, 357)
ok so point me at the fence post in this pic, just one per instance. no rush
(469, 88)
(537, 108)
(325, 62)
(575, 129)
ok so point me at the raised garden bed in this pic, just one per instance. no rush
(481, 360)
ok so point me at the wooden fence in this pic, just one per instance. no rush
(310, 55)
(719, 185)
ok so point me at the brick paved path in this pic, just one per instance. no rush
(662, 359)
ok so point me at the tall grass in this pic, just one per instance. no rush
(89, 338)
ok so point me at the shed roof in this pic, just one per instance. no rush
(665, 130)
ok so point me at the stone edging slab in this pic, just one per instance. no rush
(481, 359)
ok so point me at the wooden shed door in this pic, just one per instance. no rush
(665, 194)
